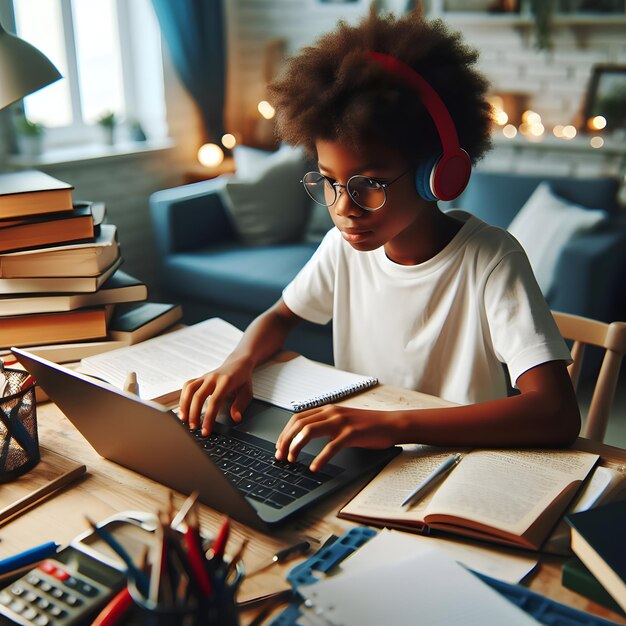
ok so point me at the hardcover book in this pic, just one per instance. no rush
(598, 541)
(140, 322)
(512, 497)
(63, 284)
(26, 330)
(578, 578)
(32, 192)
(80, 259)
(74, 225)
(120, 287)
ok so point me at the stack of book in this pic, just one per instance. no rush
(60, 282)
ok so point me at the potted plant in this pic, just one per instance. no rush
(108, 121)
(29, 137)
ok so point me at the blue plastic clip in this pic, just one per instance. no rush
(322, 561)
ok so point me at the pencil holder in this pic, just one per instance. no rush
(19, 444)
(220, 609)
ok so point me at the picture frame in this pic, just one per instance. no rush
(606, 96)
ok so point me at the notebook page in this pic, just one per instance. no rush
(300, 383)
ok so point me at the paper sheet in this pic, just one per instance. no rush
(428, 588)
(395, 546)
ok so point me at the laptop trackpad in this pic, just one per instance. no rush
(267, 422)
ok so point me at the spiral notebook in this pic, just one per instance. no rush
(300, 384)
(162, 365)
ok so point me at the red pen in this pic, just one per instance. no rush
(219, 545)
(113, 612)
(196, 561)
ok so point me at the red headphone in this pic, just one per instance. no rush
(445, 176)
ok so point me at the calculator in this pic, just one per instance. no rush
(67, 589)
(73, 586)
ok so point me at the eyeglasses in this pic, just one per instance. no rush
(368, 193)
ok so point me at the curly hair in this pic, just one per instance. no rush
(331, 90)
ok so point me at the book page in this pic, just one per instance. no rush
(508, 489)
(381, 498)
(164, 363)
(300, 381)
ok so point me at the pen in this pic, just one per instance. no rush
(140, 577)
(428, 482)
(219, 545)
(28, 557)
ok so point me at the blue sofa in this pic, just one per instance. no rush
(205, 267)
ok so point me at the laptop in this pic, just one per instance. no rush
(233, 470)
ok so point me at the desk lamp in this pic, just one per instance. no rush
(23, 69)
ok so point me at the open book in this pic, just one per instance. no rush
(513, 497)
(163, 364)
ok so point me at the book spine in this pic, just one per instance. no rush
(344, 392)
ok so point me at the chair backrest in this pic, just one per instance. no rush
(583, 331)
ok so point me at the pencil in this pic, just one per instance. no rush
(41, 494)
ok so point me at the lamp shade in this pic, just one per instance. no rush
(23, 69)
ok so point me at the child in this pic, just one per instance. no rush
(422, 299)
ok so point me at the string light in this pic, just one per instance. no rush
(569, 132)
(266, 109)
(596, 123)
(531, 117)
(210, 155)
(596, 142)
(509, 131)
(557, 131)
(229, 141)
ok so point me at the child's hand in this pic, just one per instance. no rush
(346, 427)
(232, 380)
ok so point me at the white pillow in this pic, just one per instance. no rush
(544, 225)
(250, 161)
(266, 202)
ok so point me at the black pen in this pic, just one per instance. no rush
(282, 556)
(296, 550)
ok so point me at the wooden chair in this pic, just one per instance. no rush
(612, 337)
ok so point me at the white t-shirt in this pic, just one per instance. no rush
(443, 327)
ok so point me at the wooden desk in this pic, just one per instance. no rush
(108, 488)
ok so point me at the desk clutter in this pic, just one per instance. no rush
(61, 289)
(132, 568)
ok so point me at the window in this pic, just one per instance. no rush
(109, 53)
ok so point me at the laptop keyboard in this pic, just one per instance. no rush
(257, 473)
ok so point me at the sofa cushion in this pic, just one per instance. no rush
(266, 202)
(247, 279)
(496, 197)
(544, 226)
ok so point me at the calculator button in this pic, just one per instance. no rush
(17, 605)
(88, 590)
(73, 600)
(29, 596)
(33, 579)
(60, 574)
(48, 567)
(5, 597)
(56, 611)
(29, 613)
(17, 590)
(41, 620)
(44, 585)
(72, 582)
(42, 603)
(57, 593)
